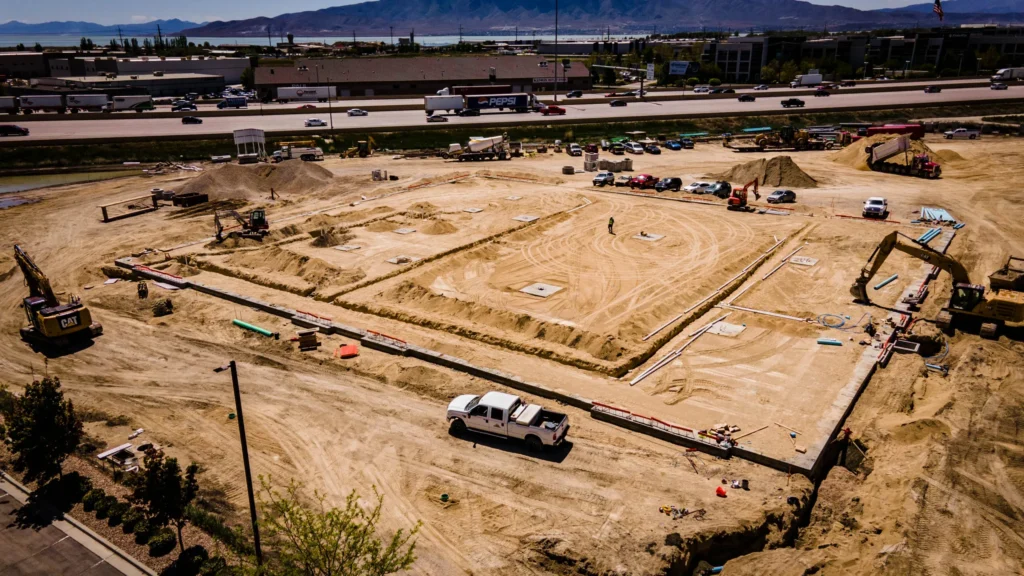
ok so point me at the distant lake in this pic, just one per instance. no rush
(8, 40)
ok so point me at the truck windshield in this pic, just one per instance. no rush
(472, 403)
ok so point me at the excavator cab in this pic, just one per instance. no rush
(258, 220)
(966, 296)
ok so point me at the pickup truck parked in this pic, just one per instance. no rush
(966, 133)
(507, 416)
(876, 207)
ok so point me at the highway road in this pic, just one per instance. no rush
(171, 127)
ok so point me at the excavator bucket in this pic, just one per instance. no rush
(859, 290)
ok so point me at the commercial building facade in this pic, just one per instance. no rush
(162, 85)
(22, 65)
(229, 68)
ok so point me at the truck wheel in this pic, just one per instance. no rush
(445, 155)
(533, 444)
(458, 427)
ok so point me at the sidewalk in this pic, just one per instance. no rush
(63, 548)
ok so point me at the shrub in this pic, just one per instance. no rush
(116, 513)
(214, 525)
(162, 543)
(142, 531)
(215, 566)
(189, 563)
(131, 518)
(103, 505)
(714, 82)
(692, 81)
(91, 498)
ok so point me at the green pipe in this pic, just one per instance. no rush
(256, 329)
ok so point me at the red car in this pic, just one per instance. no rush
(643, 181)
(611, 95)
(307, 107)
(550, 109)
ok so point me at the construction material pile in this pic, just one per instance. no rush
(253, 182)
(624, 165)
(855, 156)
(777, 171)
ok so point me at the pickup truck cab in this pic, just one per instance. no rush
(964, 133)
(875, 207)
(507, 416)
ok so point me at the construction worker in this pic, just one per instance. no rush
(611, 225)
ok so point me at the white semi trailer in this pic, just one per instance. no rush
(305, 93)
(87, 103)
(42, 103)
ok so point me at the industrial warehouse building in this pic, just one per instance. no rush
(229, 68)
(154, 85)
(422, 75)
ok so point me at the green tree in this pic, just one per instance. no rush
(769, 75)
(83, 43)
(20, 47)
(990, 59)
(165, 493)
(113, 45)
(608, 76)
(43, 430)
(788, 71)
(326, 541)
(248, 78)
(38, 47)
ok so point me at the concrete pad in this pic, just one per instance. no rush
(473, 210)
(541, 289)
(405, 231)
(649, 237)
(403, 259)
(347, 247)
(513, 197)
(526, 218)
(726, 329)
(803, 260)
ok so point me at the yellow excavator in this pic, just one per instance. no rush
(50, 322)
(1003, 302)
(253, 225)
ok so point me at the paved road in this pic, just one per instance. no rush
(138, 127)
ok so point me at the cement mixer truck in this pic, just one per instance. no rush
(480, 149)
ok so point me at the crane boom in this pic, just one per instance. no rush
(38, 283)
(891, 242)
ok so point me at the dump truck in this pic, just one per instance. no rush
(42, 103)
(87, 103)
(919, 165)
(51, 324)
(507, 416)
(480, 149)
(1003, 301)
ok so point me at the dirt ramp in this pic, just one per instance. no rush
(253, 182)
(777, 171)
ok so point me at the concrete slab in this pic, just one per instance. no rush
(541, 289)
(405, 231)
(803, 260)
(513, 197)
(726, 329)
(526, 218)
(648, 237)
(347, 247)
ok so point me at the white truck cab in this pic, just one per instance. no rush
(507, 416)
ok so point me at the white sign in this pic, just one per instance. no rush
(682, 67)
(650, 72)
(249, 136)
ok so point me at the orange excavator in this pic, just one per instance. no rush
(738, 198)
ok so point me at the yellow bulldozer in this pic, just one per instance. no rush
(51, 323)
(1003, 302)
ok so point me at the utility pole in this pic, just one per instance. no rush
(556, 51)
(517, 34)
(392, 36)
(270, 42)
(120, 37)
(159, 38)
(460, 33)
(245, 460)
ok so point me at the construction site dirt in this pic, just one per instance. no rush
(512, 266)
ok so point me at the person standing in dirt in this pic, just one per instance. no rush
(611, 225)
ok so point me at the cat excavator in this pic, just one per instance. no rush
(1003, 302)
(253, 225)
(738, 197)
(51, 323)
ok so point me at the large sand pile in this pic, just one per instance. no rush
(777, 171)
(253, 182)
(439, 227)
(855, 156)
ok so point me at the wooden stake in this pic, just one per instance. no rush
(749, 433)
(788, 428)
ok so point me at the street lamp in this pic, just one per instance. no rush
(245, 459)
(556, 51)
(906, 67)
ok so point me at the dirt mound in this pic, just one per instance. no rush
(382, 226)
(855, 156)
(315, 271)
(254, 182)
(327, 237)
(422, 208)
(777, 171)
(438, 227)
(947, 157)
(325, 221)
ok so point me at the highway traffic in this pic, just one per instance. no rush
(140, 126)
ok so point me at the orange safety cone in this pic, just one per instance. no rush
(720, 492)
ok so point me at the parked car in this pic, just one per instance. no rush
(686, 143)
(191, 120)
(183, 107)
(697, 187)
(746, 98)
(468, 112)
(574, 94)
(617, 103)
(761, 87)
(932, 89)
(790, 102)
(634, 148)
(618, 148)
(574, 150)
(643, 181)
(507, 416)
(720, 189)
(307, 107)
(437, 118)
(310, 122)
(604, 179)
(622, 181)
(781, 197)
(652, 149)
(673, 145)
(875, 207)
(670, 183)
(605, 145)
(552, 109)
(590, 148)
(999, 86)
(848, 84)
(821, 91)
(358, 112)
(12, 130)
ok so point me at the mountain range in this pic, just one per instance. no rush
(623, 16)
(89, 28)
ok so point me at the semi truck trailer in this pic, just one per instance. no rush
(805, 80)
(87, 103)
(8, 105)
(137, 103)
(42, 103)
(520, 102)
(305, 93)
(1004, 74)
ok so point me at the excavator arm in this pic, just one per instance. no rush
(921, 252)
(38, 283)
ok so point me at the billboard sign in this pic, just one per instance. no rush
(683, 67)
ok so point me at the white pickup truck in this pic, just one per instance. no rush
(966, 133)
(506, 416)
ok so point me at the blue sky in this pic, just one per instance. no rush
(123, 11)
